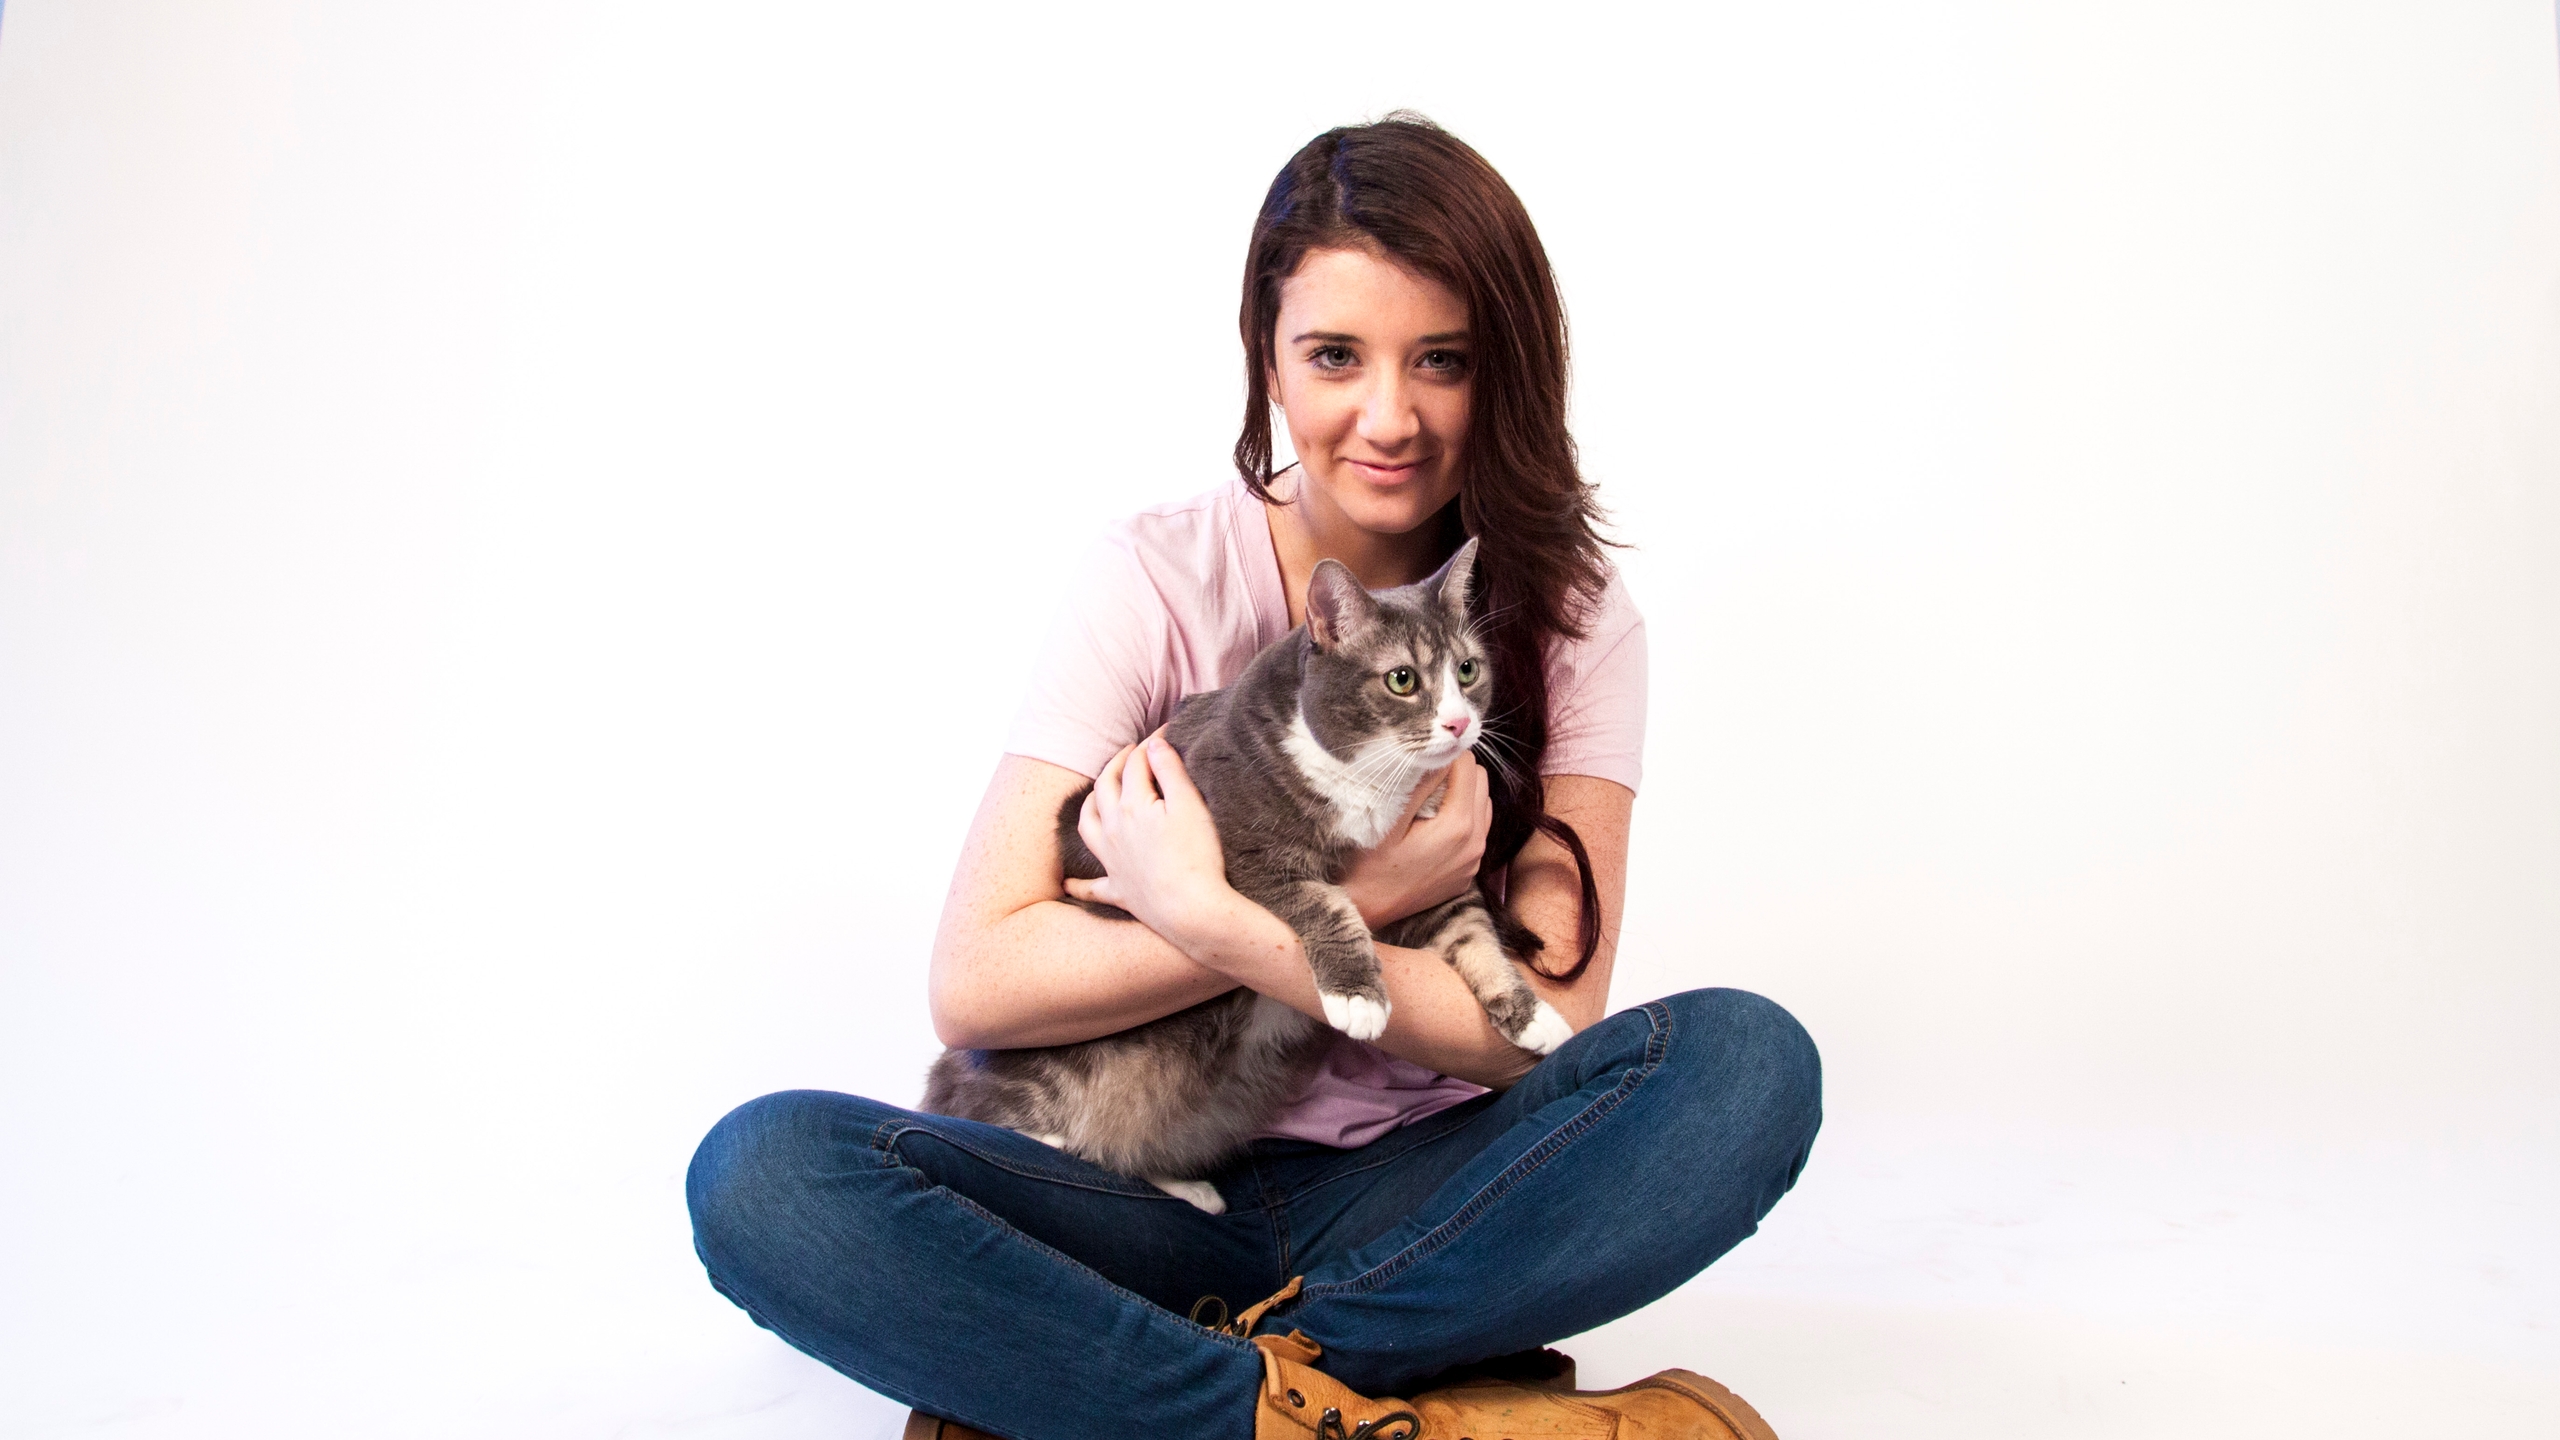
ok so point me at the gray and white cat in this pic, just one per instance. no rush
(1307, 759)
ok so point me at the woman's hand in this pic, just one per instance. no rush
(1424, 861)
(1147, 824)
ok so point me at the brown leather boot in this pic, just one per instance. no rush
(1299, 1401)
(921, 1426)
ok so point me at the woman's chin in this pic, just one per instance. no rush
(1398, 511)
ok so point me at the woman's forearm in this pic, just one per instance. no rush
(1015, 966)
(1054, 973)
(1434, 1018)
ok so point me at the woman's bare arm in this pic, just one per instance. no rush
(1437, 1021)
(1547, 896)
(1015, 965)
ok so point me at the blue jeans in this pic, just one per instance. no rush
(981, 1275)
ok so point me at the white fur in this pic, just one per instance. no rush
(1364, 810)
(1453, 704)
(1362, 813)
(1357, 1016)
(1430, 808)
(1545, 1031)
(1199, 1192)
(1272, 1026)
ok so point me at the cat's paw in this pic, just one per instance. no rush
(1200, 1193)
(1546, 1030)
(1357, 1016)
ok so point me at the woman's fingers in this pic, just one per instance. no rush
(1128, 782)
(1153, 833)
(1431, 785)
(1137, 779)
(1171, 776)
(1089, 820)
(1462, 791)
(1104, 802)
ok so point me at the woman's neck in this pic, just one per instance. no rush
(1307, 529)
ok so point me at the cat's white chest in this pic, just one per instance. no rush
(1363, 809)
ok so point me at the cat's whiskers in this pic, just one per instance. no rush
(1384, 769)
(1499, 753)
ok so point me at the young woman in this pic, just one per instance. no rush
(1439, 1199)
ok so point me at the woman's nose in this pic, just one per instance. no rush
(1389, 419)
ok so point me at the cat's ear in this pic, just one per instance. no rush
(1452, 580)
(1337, 608)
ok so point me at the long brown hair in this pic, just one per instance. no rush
(1408, 188)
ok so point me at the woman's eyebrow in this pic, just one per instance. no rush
(1337, 337)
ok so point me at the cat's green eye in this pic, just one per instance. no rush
(1468, 670)
(1401, 680)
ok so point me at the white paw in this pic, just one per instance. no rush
(1545, 1031)
(1357, 1016)
(1199, 1192)
(1054, 1141)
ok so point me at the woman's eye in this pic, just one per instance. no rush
(1401, 680)
(1448, 360)
(1333, 357)
(1468, 670)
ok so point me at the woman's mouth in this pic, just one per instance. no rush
(1379, 472)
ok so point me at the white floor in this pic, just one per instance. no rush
(1955, 1280)
(1924, 1281)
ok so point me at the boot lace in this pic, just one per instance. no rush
(1329, 1426)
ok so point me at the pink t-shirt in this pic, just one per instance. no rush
(1175, 600)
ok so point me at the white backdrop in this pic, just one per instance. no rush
(520, 524)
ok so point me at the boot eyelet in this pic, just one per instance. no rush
(1297, 1399)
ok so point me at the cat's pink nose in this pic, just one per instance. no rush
(1457, 726)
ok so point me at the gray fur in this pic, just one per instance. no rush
(1175, 1096)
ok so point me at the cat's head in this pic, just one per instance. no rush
(1396, 684)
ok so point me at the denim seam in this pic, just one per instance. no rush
(889, 1159)
(1278, 1210)
(1440, 1236)
(890, 1131)
(1329, 1177)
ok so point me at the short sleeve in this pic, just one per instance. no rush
(1596, 694)
(1106, 675)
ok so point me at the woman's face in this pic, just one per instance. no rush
(1371, 368)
